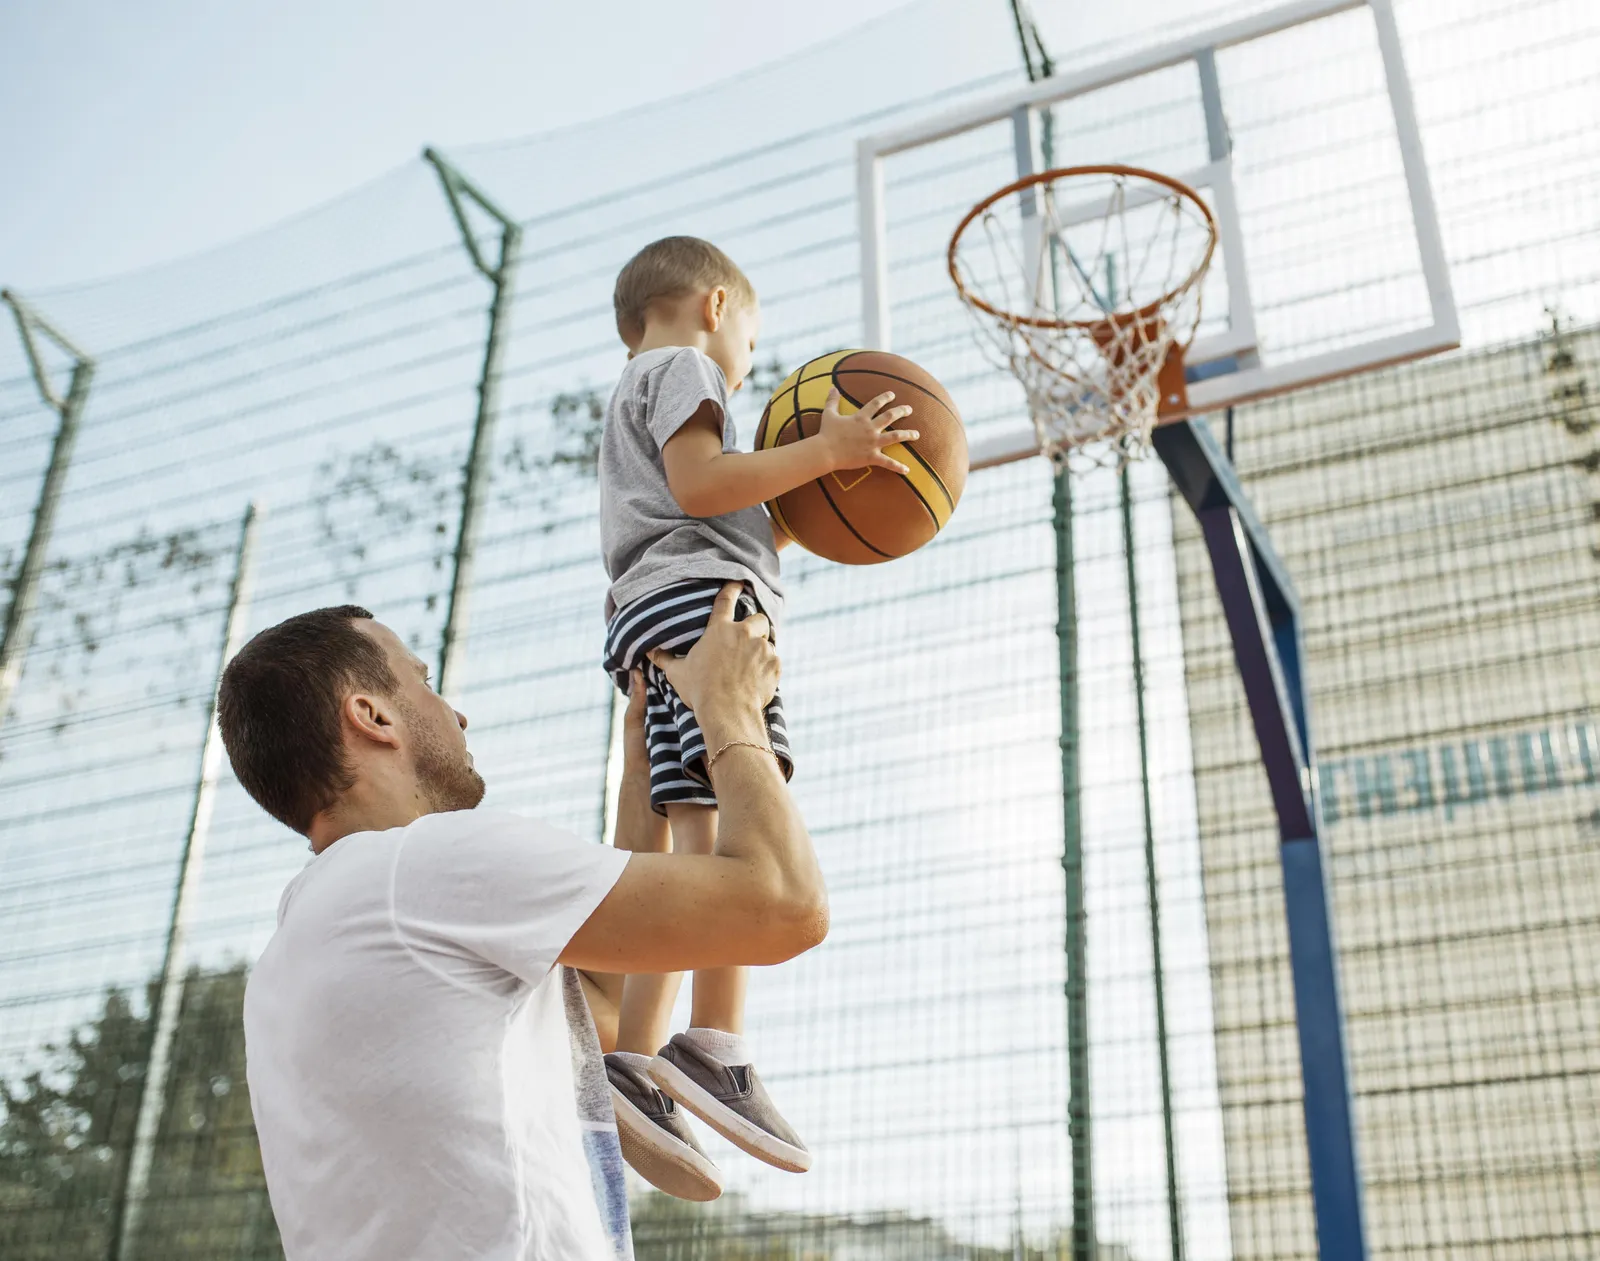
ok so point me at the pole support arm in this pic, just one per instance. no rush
(457, 186)
(477, 472)
(16, 632)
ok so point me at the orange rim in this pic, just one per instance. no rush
(1068, 172)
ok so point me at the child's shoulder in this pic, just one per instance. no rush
(649, 360)
(671, 371)
(648, 363)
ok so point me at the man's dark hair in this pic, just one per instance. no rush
(278, 709)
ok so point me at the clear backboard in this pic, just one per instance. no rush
(1328, 262)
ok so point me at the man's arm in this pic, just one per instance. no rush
(708, 481)
(759, 898)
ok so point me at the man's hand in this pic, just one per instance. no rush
(760, 897)
(731, 673)
(858, 440)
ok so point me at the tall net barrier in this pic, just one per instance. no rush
(1433, 517)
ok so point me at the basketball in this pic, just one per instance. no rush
(868, 515)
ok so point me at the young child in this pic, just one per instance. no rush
(681, 515)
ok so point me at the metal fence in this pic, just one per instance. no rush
(1439, 520)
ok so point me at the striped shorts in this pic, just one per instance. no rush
(673, 618)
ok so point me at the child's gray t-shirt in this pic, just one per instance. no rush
(649, 542)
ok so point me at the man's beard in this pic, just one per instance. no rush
(445, 776)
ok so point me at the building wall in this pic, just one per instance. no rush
(1439, 521)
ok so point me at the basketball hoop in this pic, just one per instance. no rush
(1099, 354)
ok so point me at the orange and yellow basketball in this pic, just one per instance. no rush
(867, 515)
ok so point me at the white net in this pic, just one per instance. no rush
(1082, 283)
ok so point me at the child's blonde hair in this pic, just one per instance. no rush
(670, 268)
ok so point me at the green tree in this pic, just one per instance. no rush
(68, 1129)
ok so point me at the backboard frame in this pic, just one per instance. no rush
(1223, 369)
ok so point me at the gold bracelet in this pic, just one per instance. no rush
(749, 744)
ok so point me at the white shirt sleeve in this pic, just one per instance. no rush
(473, 888)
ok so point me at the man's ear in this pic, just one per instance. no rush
(371, 717)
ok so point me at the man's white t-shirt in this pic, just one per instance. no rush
(426, 1081)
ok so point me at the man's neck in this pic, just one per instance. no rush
(357, 812)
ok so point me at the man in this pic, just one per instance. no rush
(426, 1081)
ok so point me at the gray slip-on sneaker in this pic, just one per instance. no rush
(656, 1139)
(732, 1101)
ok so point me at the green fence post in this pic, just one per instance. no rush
(1151, 875)
(168, 1000)
(1079, 1130)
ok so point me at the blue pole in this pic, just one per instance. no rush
(1263, 616)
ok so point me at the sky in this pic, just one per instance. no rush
(135, 134)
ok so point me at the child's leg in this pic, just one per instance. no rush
(644, 1012)
(708, 1068)
(718, 1001)
(644, 1015)
(655, 1136)
(644, 1019)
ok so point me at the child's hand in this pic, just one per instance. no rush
(858, 440)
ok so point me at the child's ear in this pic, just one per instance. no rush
(716, 308)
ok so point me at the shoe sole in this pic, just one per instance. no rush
(743, 1134)
(660, 1159)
